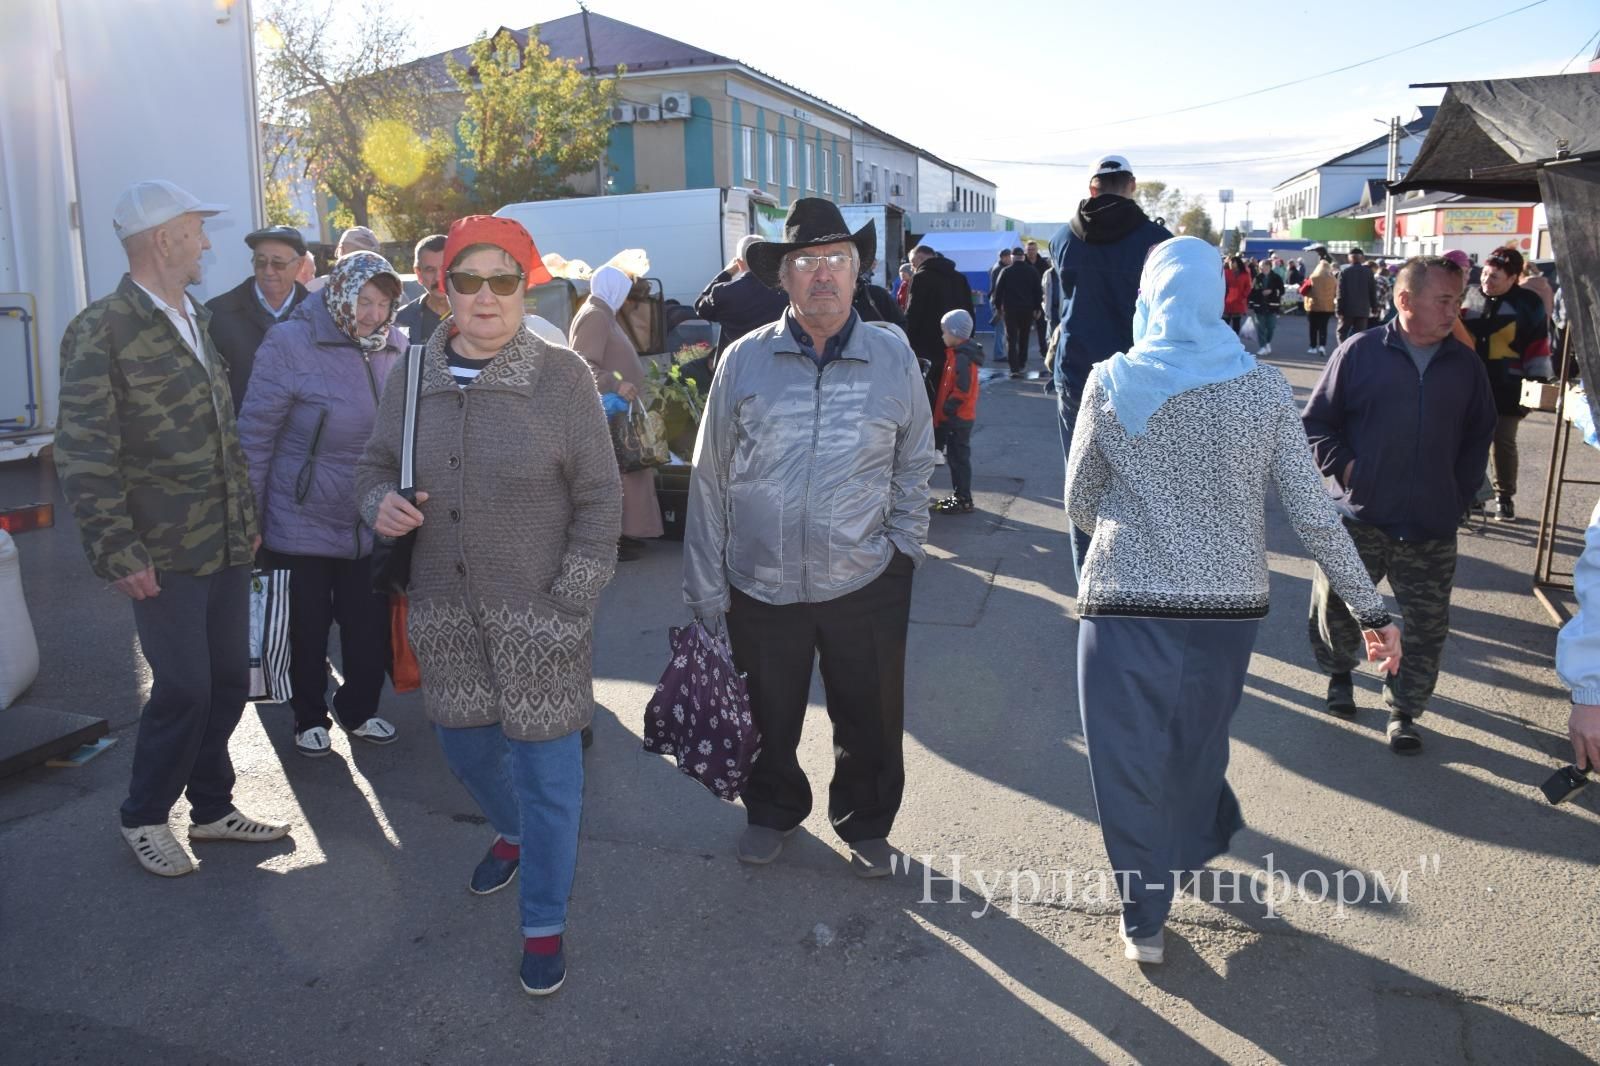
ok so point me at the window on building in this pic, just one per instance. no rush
(788, 161)
(748, 138)
(825, 171)
(772, 159)
(807, 171)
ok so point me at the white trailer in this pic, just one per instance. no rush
(95, 95)
(689, 234)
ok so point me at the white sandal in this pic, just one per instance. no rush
(158, 850)
(313, 743)
(237, 826)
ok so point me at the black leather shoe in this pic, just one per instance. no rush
(1342, 695)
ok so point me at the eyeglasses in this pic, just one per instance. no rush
(500, 284)
(808, 264)
(273, 264)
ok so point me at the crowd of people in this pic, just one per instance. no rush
(275, 427)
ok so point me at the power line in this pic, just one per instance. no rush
(1145, 166)
(1580, 52)
(1296, 81)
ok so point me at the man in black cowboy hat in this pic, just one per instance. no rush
(808, 507)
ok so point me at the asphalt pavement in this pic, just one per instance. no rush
(1471, 936)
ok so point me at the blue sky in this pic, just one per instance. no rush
(1014, 81)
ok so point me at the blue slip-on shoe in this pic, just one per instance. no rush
(493, 873)
(543, 974)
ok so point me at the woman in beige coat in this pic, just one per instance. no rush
(598, 337)
(1320, 300)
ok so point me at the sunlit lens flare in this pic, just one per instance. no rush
(267, 34)
(395, 153)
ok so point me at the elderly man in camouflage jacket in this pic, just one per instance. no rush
(150, 461)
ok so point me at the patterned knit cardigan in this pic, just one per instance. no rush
(1178, 513)
(519, 534)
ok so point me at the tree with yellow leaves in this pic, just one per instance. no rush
(530, 123)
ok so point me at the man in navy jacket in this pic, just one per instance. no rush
(1098, 256)
(1402, 421)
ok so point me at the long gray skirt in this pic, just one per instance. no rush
(1157, 696)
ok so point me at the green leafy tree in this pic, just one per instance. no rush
(339, 80)
(531, 122)
(1195, 221)
(280, 205)
(1159, 199)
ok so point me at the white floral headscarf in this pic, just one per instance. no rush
(345, 282)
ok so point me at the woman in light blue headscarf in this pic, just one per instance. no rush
(1175, 443)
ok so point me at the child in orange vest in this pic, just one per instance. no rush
(955, 407)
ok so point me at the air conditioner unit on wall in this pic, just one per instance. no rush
(621, 113)
(646, 113)
(674, 105)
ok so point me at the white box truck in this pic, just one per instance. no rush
(95, 95)
(689, 234)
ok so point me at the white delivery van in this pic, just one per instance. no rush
(689, 235)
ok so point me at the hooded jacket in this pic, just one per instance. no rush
(956, 405)
(1324, 286)
(807, 479)
(935, 288)
(1098, 257)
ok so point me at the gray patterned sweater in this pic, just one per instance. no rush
(1178, 513)
(519, 534)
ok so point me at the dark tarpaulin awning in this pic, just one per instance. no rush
(1489, 137)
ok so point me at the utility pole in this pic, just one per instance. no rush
(588, 44)
(1393, 176)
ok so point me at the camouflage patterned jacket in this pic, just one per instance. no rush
(146, 447)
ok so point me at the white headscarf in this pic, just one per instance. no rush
(611, 286)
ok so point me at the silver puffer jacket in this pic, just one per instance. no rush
(805, 481)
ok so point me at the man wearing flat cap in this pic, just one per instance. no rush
(808, 508)
(241, 316)
(150, 463)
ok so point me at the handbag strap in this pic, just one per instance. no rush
(408, 427)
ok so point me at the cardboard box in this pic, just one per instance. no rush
(1539, 395)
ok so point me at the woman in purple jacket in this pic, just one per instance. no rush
(310, 408)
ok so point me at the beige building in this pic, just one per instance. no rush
(692, 119)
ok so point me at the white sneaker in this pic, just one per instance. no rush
(1266, 349)
(1151, 950)
(237, 826)
(375, 731)
(158, 850)
(313, 743)
(938, 458)
(1311, 350)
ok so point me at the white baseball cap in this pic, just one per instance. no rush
(1112, 164)
(148, 204)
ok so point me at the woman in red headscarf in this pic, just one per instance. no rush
(517, 516)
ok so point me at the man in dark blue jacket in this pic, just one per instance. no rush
(738, 300)
(1401, 420)
(1098, 258)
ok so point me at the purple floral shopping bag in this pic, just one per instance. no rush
(700, 713)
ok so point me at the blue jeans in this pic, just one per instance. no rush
(532, 793)
(1067, 408)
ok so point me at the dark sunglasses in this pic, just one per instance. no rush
(500, 284)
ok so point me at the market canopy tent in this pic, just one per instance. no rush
(1531, 139)
(1490, 138)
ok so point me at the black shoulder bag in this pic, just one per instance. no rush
(391, 556)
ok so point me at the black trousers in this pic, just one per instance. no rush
(958, 449)
(1349, 326)
(861, 638)
(196, 637)
(1017, 329)
(1319, 327)
(323, 591)
(1039, 327)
